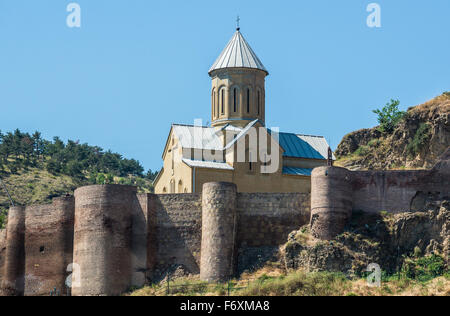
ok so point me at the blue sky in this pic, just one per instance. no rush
(137, 66)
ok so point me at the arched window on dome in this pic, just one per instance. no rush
(222, 101)
(235, 100)
(248, 100)
(213, 102)
(259, 102)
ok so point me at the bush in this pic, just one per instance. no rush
(424, 268)
(3, 217)
(362, 151)
(420, 139)
(389, 116)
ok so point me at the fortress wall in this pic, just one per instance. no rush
(266, 219)
(102, 239)
(139, 239)
(331, 201)
(339, 191)
(219, 221)
(13, 279)
(394, 191)
(48, 246)
(177, 231)
(2, 253)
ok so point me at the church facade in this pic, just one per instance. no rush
(238, 147)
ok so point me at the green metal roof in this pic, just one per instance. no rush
(297, 171)
(303, 146)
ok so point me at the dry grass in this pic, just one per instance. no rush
(442, 102)
(275, 282)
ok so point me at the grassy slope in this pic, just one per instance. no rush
(390, 151)
(275, 282)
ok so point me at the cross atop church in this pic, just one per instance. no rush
(237, 23)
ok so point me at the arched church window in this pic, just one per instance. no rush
(213, 102)
(222, 102)
(259, 102)
(235, 99)
(248, 100)
(180, 186)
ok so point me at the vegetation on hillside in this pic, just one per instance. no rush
(412, 139)
(273, 281)
(389, 116)
(35, 170)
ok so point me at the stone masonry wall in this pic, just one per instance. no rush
(394, 191)
(48, 246)
(264, 222)
(178, 231)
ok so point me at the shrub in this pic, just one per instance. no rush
(389, 116)
(424, 268)
(420, 139)
(362, 151)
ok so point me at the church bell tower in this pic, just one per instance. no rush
(238, 85)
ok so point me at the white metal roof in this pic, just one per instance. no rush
(238, 54)
(209, 138)
(319, 143)
(198, 137)
(207, 164)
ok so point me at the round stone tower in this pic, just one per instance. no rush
(238, 85)
(102, 240)
(14, 278)
(218, 231)
(331, 201)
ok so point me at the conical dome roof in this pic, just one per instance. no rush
(238, 54)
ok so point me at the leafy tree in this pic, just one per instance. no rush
(389, 116)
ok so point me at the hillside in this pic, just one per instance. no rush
(35, 170)
(419, 138)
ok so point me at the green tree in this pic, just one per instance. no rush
(389, 116)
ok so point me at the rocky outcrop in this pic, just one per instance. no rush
(381, 238)
(417, 141)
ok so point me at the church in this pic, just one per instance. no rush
(238, 147)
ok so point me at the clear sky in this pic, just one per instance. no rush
(137, 66)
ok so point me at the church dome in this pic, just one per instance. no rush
(238, 54)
